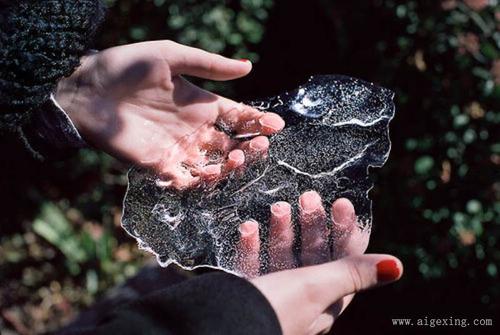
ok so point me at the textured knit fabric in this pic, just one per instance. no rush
(41, 41)
(210, 304)
(50, 133)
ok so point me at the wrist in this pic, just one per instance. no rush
(51, 134)
(74, 94)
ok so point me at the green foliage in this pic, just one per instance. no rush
(452, 52)
(230, 27)
(52, 225)
(437, 201)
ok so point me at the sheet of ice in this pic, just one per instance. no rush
(336, 127)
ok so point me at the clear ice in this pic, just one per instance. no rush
(336, 128)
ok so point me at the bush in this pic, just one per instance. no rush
(436, 201)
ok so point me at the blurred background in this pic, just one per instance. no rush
(436, 202)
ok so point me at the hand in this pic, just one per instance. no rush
(132, 102)
(321, 291)
(308, 300)
(346, 236)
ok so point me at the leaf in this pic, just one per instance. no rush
(489, 51)
(424, 164)
(53, 226)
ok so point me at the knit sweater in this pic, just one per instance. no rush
(41, 41)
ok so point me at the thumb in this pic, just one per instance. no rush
(184, 60)
(335, 280)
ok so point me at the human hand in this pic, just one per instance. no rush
(308, 300)
(132, 102)
(346, 236)
(321, 291)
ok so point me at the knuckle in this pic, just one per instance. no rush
(211, 66)
(169, 43)
(355, 276)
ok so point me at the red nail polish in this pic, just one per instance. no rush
(244, 60)
(387, 270)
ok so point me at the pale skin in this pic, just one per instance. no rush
(322, 291)
(133, 102)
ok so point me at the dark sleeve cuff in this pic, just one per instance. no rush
(216, 303)
(51, 134)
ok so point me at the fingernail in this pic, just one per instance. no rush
(213, 169)
(280, 208)
(248, 228)
(272, 121)
(244, 60)
(343, 212)
(259, 143)
(237, 156)
(310, 202)
(388, 270)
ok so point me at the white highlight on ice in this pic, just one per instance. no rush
(329, 173)
(305, 103)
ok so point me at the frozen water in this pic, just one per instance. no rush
(336, 127)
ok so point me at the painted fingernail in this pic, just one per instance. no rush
(244, 60)
(248, 228)
(388, 270)
(310, 201)
(272, 121)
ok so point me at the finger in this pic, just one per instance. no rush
(325, 321)
(322, 324)
(210, 173)
(179, 179)
(247, 252)
(318, 287)
(341, 305)
(344, 225)
(255, 148)
(213, 173)
(314, 232)
(246, 121)
(269, 124)
(235, 117)
(332, 281)
(281, 237)
(348, 238)
(199, 63)
(210, 160)
(235, 159)
(216, 143)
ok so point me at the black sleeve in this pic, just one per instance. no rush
(41, 41)
(216, 303)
